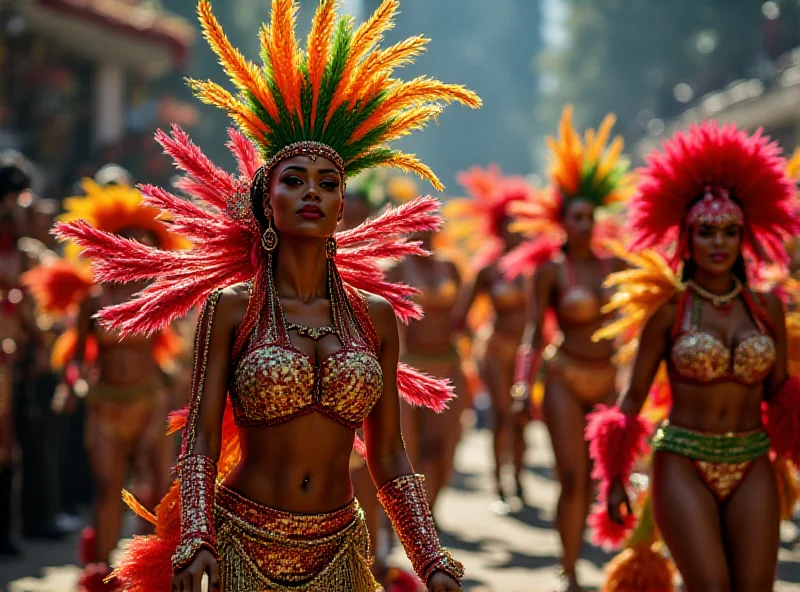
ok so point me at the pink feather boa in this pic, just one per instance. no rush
(781, 417)
(616, 440)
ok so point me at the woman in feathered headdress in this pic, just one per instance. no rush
(121, 380)
(297, 345)
(717, 203)
(569, 272)
(481, 223)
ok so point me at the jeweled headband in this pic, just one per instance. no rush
(715, 209)
(240, 204)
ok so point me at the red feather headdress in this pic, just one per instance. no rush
(479, 218)
(713, 159)
(227, 251)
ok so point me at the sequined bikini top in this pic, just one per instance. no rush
(578, 305)
(275, 382)
(700, 357)
(506, 295)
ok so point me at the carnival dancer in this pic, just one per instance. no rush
(717, 203)
(569, 272)
(296, 347)
(430, 345)
(121, 380)
(482, 220)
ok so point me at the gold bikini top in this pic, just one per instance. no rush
(275, 382)
(506, 295)
(577, 304)
(701, 358)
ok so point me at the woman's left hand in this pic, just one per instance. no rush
(442, 582)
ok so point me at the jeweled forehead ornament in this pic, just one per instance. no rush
(239, 205)
(716, 208)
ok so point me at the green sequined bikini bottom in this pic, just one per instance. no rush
(722, 460)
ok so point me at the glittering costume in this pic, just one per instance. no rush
(337, 100)
(582, 169)
(478, 223)
(713, 176)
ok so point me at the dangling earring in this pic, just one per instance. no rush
(330, 247)
(269, 239)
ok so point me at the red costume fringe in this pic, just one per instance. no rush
(781, 416)
(639, 569)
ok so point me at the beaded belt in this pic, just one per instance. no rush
(713, 448)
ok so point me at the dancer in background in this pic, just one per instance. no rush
(482, 220)
(579, 373)
(430, 345)
(121, 380)
(293, 341)
(718, 203)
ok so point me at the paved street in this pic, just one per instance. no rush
(514, 553)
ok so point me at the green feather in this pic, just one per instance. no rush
(373, 158)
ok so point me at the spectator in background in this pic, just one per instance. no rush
(14, 181)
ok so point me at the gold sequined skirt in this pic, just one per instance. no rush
(266, 550)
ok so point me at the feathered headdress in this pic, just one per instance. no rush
(587, 168)
(338, 94)
(591, 168)
(478, 219)
(114, 208)
(742, 176)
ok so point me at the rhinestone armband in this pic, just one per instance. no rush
(197, 474)
(406, 505)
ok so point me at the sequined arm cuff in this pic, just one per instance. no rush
(406, 505)
(197, 474)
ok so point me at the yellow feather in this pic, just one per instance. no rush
(137, 508)
(213, 94)
(410, 163)
(416, 92)
(793, 168)
(365, 37)
(609, 159)
(603, 132)
(410, 120)
(245, 75)
(378, 66)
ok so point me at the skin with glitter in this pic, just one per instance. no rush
(723, 363)
(302, 465)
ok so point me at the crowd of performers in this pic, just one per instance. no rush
(338, 328)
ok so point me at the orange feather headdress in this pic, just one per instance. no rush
(114, 208)
(337, 99)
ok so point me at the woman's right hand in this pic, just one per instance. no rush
(617, 498)
(190, 578)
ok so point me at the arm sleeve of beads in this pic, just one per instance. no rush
(406, 505)
(201, 347)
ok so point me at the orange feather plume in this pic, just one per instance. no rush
(244, 74)
(278, 40)
(319, 48)
(365, 37)
(213, 94)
